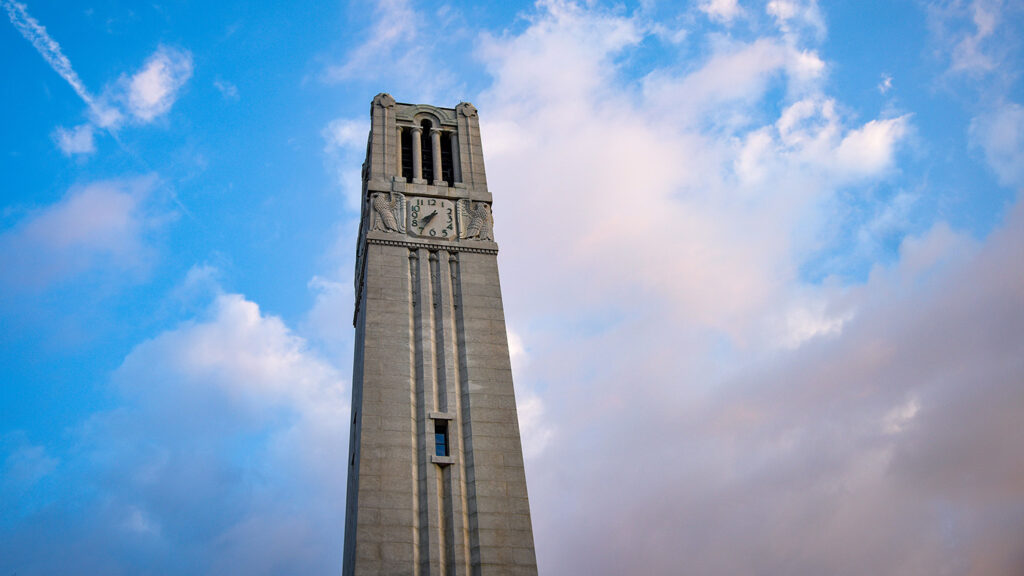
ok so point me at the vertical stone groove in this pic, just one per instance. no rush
(440, 380)
(473, 527)
(462, 453)
(414, 379)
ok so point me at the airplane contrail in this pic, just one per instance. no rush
(48, 48)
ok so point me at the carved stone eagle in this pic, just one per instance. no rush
(390, 210)
(476, 220)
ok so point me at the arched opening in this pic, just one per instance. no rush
(447, 164)
(406, 144)
(427, 150)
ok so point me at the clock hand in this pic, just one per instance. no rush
(426, 220)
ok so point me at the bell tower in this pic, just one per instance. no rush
(436, 484)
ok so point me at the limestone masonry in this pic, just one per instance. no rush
(436, 482)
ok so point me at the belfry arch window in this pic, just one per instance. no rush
(435, 149)
(406, 144)
(427, 150)
(447, 163)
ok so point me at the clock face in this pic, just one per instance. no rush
(432, 218)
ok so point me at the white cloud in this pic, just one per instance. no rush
(535, 429)
(344, 151)
(78, 140)
(148, 94)
(811, 134)
(395, 25)
(399, 53)
(798, 18)
(1000, 133)
(968, 53)
(734, 78)
(870, 149)
(809, 321)
(332, 310)
(25, 465)
(980, 38)
(104, 225)
(576, 49)
(885, 84)
(900, 417)
(252, 359)
(722, 10)
(516, 351)
(227, 90)
(347, 133)
(229, 429)
(235, 378)
(152, 91)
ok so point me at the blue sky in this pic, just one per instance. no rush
(761, 264)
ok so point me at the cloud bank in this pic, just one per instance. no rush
(222, 457)
(705, 408)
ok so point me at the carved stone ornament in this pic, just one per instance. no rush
(384, 100)
(390, 212)
(466, 109)
(475, 220)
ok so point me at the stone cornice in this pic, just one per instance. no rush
(485, 248)
(374, 237)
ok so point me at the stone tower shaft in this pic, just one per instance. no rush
(436, 483)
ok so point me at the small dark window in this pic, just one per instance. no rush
(447, 171)
(427, 149)
(441, 437)
(407, 154)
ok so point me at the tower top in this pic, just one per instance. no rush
(423, 149)
(424, 182)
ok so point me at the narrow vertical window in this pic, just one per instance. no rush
(441, 437)
(407, 154)
(427, 151)
(447, 167)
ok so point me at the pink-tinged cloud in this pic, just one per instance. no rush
(704, 408)
(104, 225)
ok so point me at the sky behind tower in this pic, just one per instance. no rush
(761, 266)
